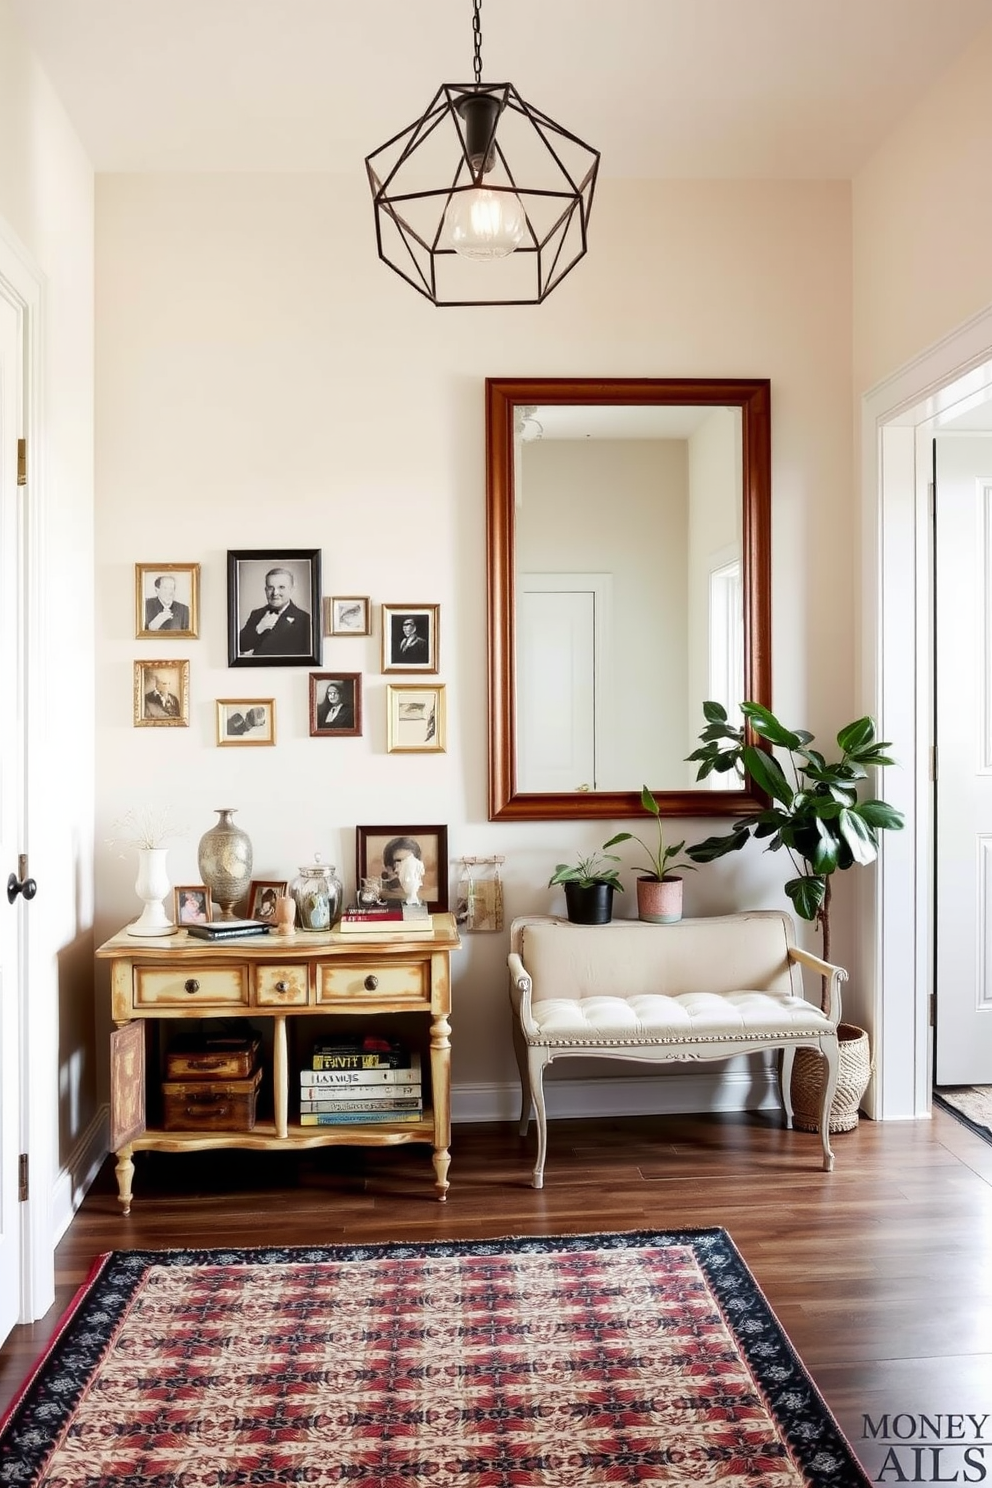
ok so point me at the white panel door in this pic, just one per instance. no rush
(963, 625)
(556, 682)
(11, 735)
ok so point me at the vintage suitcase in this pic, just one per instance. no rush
(210, 1105)
(212, 1057)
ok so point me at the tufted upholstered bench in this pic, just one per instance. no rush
(700, 989)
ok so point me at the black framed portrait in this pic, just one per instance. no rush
(273, 607)
(381, 850)
(335, 704)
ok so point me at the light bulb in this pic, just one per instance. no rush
(485, 224)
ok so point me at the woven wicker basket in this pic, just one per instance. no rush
(854, 1072)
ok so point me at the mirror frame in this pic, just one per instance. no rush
(503, 395)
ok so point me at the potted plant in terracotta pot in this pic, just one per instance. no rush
(817, 816)
(589, 887)
(659, 889)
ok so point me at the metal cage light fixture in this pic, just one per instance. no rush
(457, 220)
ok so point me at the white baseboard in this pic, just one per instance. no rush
(84, 1163)
(673, 1092)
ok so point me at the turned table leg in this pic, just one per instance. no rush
(125, 1176)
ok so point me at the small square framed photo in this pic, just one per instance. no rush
(161, 694)
(262, 896)
(415, 718)
(335, 704)
(194, 905)
(380, 850)
(348, 616)
(273, 607)
(166, 600)
(246, 721)
(410, 637)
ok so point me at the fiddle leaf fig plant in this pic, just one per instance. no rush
(594, 869)
(661, 859)
(815, 814)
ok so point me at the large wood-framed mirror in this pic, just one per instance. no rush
(629, 580)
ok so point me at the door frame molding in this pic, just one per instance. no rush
(22, 285)
(896, 686)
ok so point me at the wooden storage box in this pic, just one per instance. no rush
(212, 1057)
(210, 1105)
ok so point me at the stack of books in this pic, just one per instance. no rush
(409, 921)
(360, 1081)
(228, 930)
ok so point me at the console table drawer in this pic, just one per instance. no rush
(282, 986)
(398, 981)
(192, 986)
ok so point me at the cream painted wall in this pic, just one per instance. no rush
(263, 380)
(46, 204)
(923, 221)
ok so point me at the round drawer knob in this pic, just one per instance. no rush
(371, 982)
(282, 986)
(192, 985)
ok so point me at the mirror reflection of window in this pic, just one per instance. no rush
(726, 628)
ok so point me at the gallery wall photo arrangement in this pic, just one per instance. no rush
(166, 600)
(273, 607)
(379, 852)
(335, 704)
(351, 615)
(246, 721)
(161, 694)
(410, 637)
(415, 718)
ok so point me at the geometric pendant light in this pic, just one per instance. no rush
(483, 200)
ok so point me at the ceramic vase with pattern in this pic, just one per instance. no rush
(225, 861)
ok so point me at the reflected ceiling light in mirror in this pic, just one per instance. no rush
(483, 200)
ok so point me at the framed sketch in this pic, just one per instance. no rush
(410, 638)
(166, 600)
(246, 721)
(161, 694)
(262, 896)
(273, 607)
(335, 704)
(380, 850)
(415, 718)
(349, 616)
(194, 905)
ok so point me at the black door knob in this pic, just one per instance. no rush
(16, 886)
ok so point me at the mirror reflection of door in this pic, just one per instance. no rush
(650, 496)
(564, 633)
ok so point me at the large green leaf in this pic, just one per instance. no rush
(858, 836)
(714, 712)
(881, 814)
(806, 894)
(766, 772)
(824, 855)
(856, 735)
(718, 847)
(765, 724)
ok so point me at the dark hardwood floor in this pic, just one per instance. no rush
(879, 1272)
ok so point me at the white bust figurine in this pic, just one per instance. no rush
(411, 875)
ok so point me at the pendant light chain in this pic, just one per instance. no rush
(477, 29)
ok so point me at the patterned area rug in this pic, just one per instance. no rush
(971, 1104)
(646, 1358)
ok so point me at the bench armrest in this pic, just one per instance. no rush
(832, 975)
(520, 990)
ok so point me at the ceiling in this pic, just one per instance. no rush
(663, 88)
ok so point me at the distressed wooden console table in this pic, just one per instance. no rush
(277, 981)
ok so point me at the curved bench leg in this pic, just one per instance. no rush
(831, 1054)
(520, 1050)
(536, 1060)
(787, 1060)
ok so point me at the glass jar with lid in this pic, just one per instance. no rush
(317, 892)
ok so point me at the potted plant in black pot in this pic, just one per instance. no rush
(659, 888)
(817, 816)
(589, 887)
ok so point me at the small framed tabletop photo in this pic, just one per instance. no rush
(381, 850)
(273, 607)
(415, 718)
(335, 705)
(410, 637)
(194, 905)
(262, 896)
(348, 616)
(166, 600)
(161, 694)
(246, 721)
